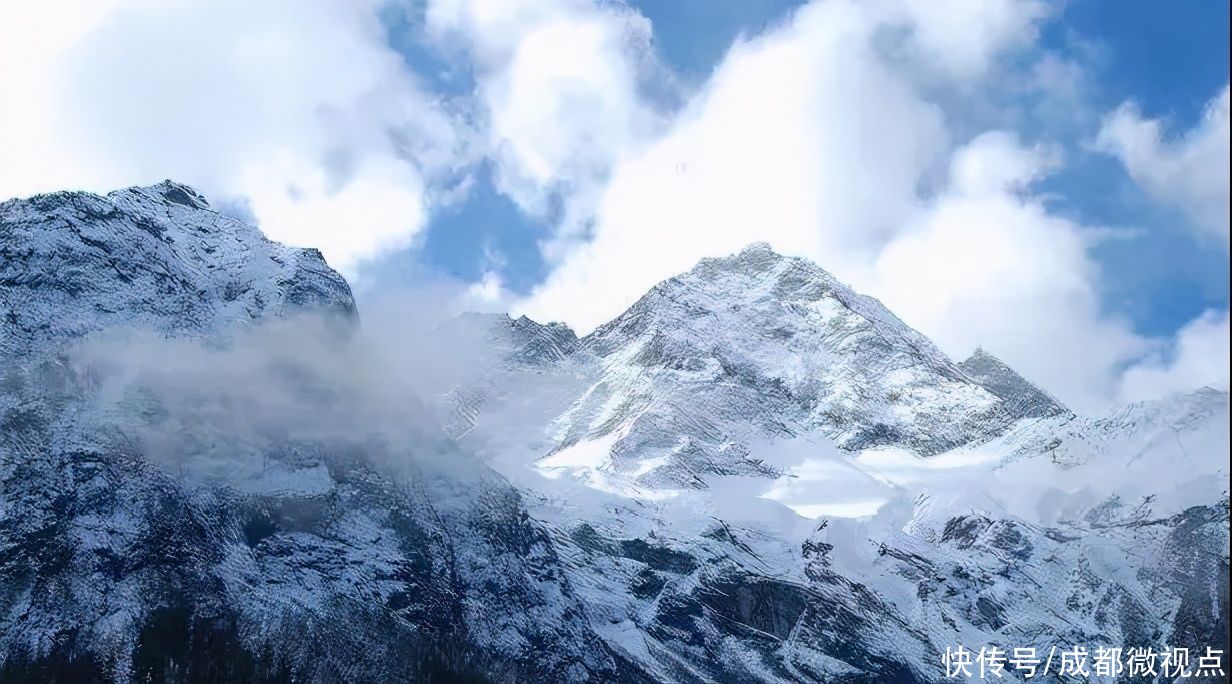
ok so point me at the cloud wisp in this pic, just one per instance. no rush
(1189, 171)
(212, 410)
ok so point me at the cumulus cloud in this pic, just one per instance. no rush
(824, 136)
(814, 137)
(1198, 357)
(560, 85)
(315, 124)
(1189, 171)
(802, 138)
(987, 264)
(820, 138)
(964, 38)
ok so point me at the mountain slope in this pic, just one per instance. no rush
(1023, 399)
(754, 474)
(200, 498)
(154, 258)
(656, 448)
(760, 346)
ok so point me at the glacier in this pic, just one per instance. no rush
(208, 473)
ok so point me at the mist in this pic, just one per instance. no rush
(217, 409)
(290, 394)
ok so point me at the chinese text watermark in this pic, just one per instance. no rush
(992, 662)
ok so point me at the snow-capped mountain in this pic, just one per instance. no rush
(762, 346)
(154, 258)
(161, 520)
(753, 474)
(660, 440)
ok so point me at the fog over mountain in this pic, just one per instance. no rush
(214, 467)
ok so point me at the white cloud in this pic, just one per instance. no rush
(486, 294)
(822, 137)
(987, 264)
(1190, 171)
(559, 84)
(32, 36)
(299, 108)
(802, 138)
(1198, 357)
(965, 37)
(816, 138)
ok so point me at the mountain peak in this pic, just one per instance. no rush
(512, 338)
(759, 345)
(153, 257)
(171, 191)
(1021, 396)
(757, 252)
(759, 283)
(761, 258)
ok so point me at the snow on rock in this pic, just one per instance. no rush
(759, 346)
(156, 531)
(156, 258)
(754, 474)
(1024, 399)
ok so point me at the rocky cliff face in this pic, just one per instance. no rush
(754, 474)
(1001, 517)
(763, 346)
(1022, 399)
(153, 258)
(143, 538)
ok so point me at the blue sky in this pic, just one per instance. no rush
(1045, 179)
(1169, 57)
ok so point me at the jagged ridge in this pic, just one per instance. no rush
(156, 258)
(307, 557)
(315, 562)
